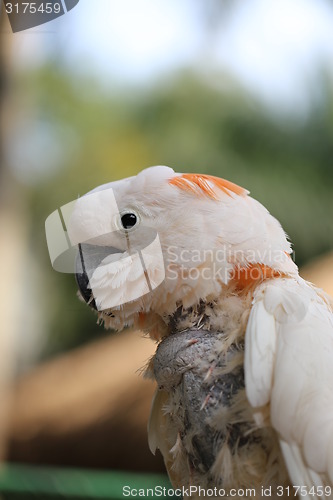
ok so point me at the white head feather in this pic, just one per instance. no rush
(206, 229)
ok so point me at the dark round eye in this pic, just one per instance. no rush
(128, 220)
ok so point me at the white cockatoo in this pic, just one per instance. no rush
(244, 362)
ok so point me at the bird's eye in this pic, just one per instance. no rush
(129, 220)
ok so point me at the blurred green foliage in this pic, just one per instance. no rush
(52, 483)
(190, 125)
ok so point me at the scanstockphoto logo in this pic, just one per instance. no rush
(115, 258)
(24, 15)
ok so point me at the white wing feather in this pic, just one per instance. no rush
(289, 363)
(259, 355)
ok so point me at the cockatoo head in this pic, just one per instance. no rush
(152, 242)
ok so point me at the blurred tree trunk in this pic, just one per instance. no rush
(5, 43)
(2, 87)
(10, 242)
(3, 334)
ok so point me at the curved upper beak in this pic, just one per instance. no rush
(82, 280)
(88, 259)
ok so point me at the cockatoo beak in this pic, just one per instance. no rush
(88, 259)
(82, 280)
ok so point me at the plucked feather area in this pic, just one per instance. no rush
(210, 233)
(201, 420)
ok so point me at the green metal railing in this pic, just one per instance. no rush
(48, 483)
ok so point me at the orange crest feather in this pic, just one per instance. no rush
(202, 184)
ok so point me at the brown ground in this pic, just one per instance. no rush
(88, 408)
